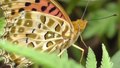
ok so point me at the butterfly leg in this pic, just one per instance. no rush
(83, 41)
(79, 49)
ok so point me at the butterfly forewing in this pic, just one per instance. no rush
(14, 7)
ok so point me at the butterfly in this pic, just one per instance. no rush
(40, 24)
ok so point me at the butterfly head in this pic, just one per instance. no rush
(79, 25)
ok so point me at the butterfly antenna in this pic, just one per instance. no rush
(82, 19)
(85, 9)
(104, 17)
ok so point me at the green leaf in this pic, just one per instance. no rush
(91, 59)
(105, 59)
(116, 60)
(43, 59)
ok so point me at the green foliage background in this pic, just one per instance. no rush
(100, 31)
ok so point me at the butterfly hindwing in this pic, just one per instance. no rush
(40, 31)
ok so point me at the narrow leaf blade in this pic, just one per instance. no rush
(91, 59)
(105, 59)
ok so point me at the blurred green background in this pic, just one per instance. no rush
(106, 30)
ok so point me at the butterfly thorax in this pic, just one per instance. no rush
(79, 26)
